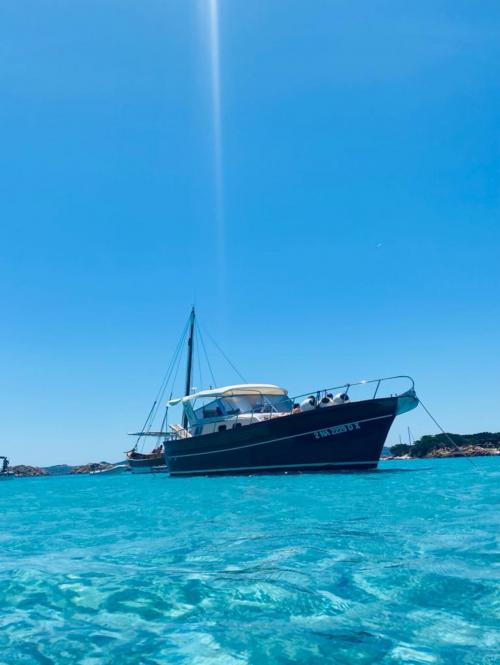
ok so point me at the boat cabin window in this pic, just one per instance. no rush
(234, 405)
(224, 407)
(213, 409)
(256, 404)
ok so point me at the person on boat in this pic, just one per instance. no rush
(296, 408)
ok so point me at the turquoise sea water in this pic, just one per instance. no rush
(395, 566)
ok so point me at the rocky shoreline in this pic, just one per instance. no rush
(27, 471)
(90, 468)
(466, 451)
(446, 444)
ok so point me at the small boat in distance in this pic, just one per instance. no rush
(5, 472)
(257, 428)
(153, 462)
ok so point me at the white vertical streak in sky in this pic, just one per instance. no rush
(214, 43)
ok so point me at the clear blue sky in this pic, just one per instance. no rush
(361, 206)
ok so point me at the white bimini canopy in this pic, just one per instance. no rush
(231, 391)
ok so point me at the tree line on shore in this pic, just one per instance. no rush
(429, 445)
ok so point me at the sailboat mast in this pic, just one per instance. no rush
(189, 369)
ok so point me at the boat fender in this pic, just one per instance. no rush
(308, 404)
(327, 400)
(341, 398)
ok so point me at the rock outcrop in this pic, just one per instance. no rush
(441, 445)
(93, 466)
(466, 451)
(25, 470)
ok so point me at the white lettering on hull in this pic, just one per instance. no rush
(338, 429)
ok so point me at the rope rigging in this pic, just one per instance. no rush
(198, 356)
(445, 433)
(225, 357)
(163, 386)
(178, 365)
(198, 328)
(171, 374)
(146, 423)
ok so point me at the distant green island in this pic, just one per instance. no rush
(439, 445)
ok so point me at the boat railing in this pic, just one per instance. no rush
(375, 387)
(346, 387)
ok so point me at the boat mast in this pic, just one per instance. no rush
(189, 369)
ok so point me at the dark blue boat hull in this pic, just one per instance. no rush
(348, 436)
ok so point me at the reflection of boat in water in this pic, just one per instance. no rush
(5, 472)
(258, 428)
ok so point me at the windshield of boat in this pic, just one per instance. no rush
(232, 406)
(256, 403)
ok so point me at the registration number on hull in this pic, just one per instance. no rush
(338, 429)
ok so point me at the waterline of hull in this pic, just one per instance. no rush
(294, 468)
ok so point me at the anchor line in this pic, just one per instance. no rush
(455, 445)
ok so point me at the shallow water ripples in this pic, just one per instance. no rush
(362, 568)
